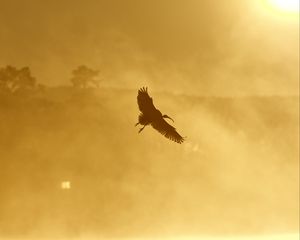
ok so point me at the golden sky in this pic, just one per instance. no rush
(199, 47)
(72, 162)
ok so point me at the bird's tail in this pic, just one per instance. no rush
(143, 120)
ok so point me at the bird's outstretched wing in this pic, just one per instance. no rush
(145, 102)
(167, 130)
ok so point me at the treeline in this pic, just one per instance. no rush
(13, 79)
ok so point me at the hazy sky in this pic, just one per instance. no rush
(237, 171)
(195, 47)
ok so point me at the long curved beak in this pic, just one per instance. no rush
(166, 116)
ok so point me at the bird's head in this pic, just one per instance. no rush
(166, 116)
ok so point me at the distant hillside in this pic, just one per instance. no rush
(237, 172)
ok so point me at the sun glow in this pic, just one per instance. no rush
(291, 6)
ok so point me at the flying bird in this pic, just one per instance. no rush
(152, 116)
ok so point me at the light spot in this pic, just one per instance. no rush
(196, 148)
(65, 185)
(286, 5)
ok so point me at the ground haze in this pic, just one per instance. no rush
(73, 164)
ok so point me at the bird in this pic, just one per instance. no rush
(150, 115)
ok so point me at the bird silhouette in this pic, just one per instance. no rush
(152, 116)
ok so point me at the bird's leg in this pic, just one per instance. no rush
(137, 124)
(141, 129)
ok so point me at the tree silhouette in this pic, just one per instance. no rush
(12, 79)
(7, 77)
(24, 80)
(84, 76)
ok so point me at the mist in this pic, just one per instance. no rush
(236, 173)
(232, 48)
(73, 164)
